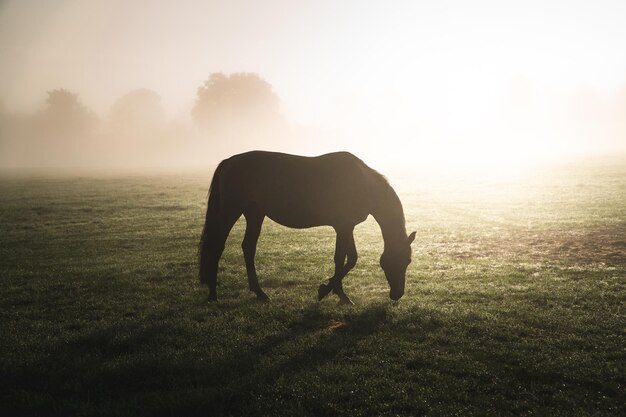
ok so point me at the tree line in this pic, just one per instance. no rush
(65, 132)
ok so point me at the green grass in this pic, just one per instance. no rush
(514, 304)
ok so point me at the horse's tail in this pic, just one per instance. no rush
(211, 224)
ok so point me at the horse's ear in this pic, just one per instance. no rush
(411, 238)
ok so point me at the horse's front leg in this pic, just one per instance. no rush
(351, 262)
(345, 247)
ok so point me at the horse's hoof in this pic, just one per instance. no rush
(212, 298)
(345, 301)
(323, 291)
(262, 297)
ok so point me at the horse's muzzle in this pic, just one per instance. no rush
(396, 295)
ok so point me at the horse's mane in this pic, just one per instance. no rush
(382, 189)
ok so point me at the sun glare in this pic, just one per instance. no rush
(488, 88)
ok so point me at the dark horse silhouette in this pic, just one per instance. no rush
(335, 189)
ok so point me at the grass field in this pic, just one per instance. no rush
(515, 304)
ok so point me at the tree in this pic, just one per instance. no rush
(236, 100)
(65, 116)
(137, 113)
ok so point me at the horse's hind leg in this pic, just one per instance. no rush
(226, 223)
(254, 221)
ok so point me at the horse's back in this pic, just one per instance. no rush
(264, 158)
(298, 191)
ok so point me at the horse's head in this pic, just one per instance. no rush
(394, 263)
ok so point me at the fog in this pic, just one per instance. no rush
(487, 87)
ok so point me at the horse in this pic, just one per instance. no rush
(336, 189)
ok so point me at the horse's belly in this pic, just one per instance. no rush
(300, 216)
(294, 223)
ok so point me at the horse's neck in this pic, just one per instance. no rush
(387, 210)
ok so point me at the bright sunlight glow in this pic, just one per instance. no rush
(487, 87)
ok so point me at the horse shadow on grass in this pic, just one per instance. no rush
(110, 370)
(175, 366)
(314, 339)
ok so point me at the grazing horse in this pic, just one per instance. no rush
(336, 189)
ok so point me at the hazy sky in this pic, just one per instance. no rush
(403, 67)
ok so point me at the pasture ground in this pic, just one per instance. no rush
(514, 304)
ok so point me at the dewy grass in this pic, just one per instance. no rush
(514, 305)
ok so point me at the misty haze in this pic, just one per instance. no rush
(175, 86)
(431, 196)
